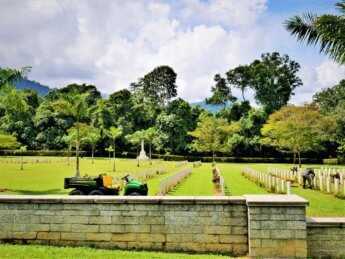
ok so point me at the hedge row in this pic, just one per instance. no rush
(179, 157)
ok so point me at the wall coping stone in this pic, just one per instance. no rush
(211, 200)
(273, 200)
(326, 222)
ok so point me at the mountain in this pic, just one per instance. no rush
(209, 107)
(43, 90)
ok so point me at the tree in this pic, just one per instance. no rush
(273, 79)
(158, 85)
(92, 137)
(8, 141)
(8, 76)
(22, 150)
(109, 149)
(209, 134)
(297, 129)
(150, 135)
(69, 140)
(327, 31)
(221, 92)
(239, 77)
(331, 102)
(73, 104)
(113, 134)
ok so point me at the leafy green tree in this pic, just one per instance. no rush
(114, 133)
(8, 76)
(102, 114)
(240, 78)
(150, 135)
(331, 102)
(221, 93)
(327, 31)
(274, 79)
(92, 137)
(8, 141)
(74, 105)
(209, 134)
(159, 84)
(297, 129)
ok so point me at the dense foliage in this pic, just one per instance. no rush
(76, 117)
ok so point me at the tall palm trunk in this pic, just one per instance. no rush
(150, 153)
(138, 157)
(92, 154)
(114, 157)
(77, 173)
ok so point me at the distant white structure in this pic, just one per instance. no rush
(142, 155)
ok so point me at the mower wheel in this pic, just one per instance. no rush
(134, 194)
(96, 192)
(76, 192)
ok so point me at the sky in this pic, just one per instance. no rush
(111, 43)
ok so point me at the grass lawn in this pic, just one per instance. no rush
(198, 183)
(51, 252)
(320, 204)
(48, 178)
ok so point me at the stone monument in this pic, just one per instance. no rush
(142, 155)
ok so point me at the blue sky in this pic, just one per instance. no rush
(112, 43)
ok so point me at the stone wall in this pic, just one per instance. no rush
(263, 226)
(200, 224)
(326, 237)
(277, 226)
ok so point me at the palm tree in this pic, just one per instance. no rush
(22, 150)
(92, 137)
(114, 133)
(8, 76)
(150, 134)
(325, 30)
(69, 140)
(135, 139)
(73, 104)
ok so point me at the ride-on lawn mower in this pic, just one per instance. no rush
(103, 185)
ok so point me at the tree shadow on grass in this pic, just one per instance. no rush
(40, 192)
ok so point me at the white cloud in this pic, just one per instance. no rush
(112, 43)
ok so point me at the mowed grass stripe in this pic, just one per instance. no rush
(235, 182)
(199, 183)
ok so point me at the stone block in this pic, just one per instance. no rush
(239, 249)
(162, 229)
(124, 237)
(255, 242)
(84, 228)
(239, 230)
(48, 235)
(101, 220)
(297, 225)
(51, 219)
(177, 238)
(44, 212)
(122, 207)
(137, 228)
(22, 235)
(172, 247)
(218, 230)
(282, 234)
(255, 224)
(152, 220)
(264, 234)
(206, 238)
(180, 229)
(273, 224)
(76, 219)
(32, 227)
(110, 213)
(135, 213)
(300, 234)
(125, 220)
(61, 227)
(233, 239)
(73, 236)
(147, 207)
(151, 238)
(98, 236)
(112, 228)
